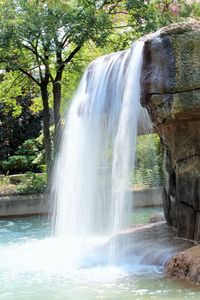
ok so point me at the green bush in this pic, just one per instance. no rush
(148, 177)
(4, 181)
(32, 183)
(29, 147)
(148, 168)
(17, 163)
(28, 157)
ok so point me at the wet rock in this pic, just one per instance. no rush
(170, 85)
(185, 265)
(157, 217)
(186, 221)
(151, 244)
(171, 60)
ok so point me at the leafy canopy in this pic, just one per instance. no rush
(35, 32)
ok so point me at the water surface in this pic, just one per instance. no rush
(34, 266)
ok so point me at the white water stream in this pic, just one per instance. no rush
(91, 178)
(96, 160)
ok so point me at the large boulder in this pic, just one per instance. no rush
(185, 265)
(149, 244)
(170, 87)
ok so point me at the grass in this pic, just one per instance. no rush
(6, 187)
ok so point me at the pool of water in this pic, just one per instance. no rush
(34, 266)
(141, 215)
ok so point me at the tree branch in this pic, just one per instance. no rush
(119, 12)
(13, 83)
(34, 51)
(38, 59)
(46, 64)
(64, 40)
(30, 76)
(122, 26)
(72, 54)
(114, 6)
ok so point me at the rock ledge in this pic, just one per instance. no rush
(185, 265)
(170, 90)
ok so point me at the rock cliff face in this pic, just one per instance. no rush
(170, 84)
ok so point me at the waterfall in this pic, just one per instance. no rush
(96, 159)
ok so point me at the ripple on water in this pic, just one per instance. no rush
(32, 267)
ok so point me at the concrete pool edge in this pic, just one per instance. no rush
(18, 205)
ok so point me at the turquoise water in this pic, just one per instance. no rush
(34, 266)
(142, 215)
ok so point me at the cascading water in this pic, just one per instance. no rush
(92, 175)
(96, 160)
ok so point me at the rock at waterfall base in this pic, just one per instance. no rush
(157, 217)
(185, 265)
(149, 244)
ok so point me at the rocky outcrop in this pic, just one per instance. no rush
(170, 84)
(144, 245)
(185, 265)
(150, 244)
(157, 217)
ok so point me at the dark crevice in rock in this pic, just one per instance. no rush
(172, 93)
(186, 221)
(185, 203)
(186, 158)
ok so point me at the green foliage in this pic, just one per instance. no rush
(9, 93)
(4, 181)
(135, 18)
(14, 130)
(41, 30)
(29, 148)
(50, 42)
(13, 87)
(17, 163)
(32, 183)
(196, 10)
(28, 157)
(73, 73)
(148, 169)
(193, 10)
(148, 177)
(42, 38)
(17, 121)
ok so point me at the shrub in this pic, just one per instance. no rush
(29, 147)
(14, 130)
(148, 169)
(33, 183)
(17, 163)
(4, 181)
(28, 157)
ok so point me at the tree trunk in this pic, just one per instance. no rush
(57, 118)
(46, 126)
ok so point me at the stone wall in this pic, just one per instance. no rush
(23, 205)
(146, 197)
(170, 84)
(38, 204)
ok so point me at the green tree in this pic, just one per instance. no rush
(135, 18)
(18, 123)
(42, 37)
